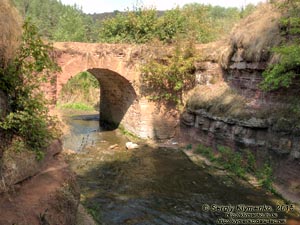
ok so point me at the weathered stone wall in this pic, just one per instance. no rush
(245, 77)
(274, 139)
(266, 141)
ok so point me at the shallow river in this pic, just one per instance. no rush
(148, 185)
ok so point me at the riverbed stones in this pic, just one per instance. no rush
(131, 145)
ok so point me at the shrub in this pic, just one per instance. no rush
(233, 161)
(137, 26)
(283, 73)
(165, 79)
(21, 81)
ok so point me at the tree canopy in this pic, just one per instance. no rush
(58, 22)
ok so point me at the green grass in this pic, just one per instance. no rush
(233, 161)
(205, 151)
(127, 133)
(239, 164)
(94, 210)
(76, 106)
(265, 176)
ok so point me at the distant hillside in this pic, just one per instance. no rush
(107, 15)
(59, 22)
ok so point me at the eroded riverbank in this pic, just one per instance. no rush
(150, 185)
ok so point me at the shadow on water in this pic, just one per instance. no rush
(149, 185)
(160, 186)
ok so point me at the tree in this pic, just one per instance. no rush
(56, 21)
(170, 25)
(137, 26)
(71, 26)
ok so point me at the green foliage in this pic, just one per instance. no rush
(251, 161)
(21, 81)
(283, 73)
(81, 92)
(202, 23)
(18, 145)
(290, 25)
(265, 176)
(166, 79)
(136, 26)
(94, 210)
(83, 81)
(58, 22)
(170, 25)
(189, 147)
(239, 164)
(206, 151)
(233, 161)
(199, 25)
(70, 26)
(127, 133)
(76, 106)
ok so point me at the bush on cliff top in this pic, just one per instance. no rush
(255, 35)
(270, 35)
(10, 32)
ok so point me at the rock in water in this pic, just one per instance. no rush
(131, 145)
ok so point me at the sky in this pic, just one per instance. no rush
(99, 6)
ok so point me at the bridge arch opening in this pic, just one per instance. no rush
(116, 96)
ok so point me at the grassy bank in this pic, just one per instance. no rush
(242, 165)
(75, 106)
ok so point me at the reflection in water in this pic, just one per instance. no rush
(146, 186)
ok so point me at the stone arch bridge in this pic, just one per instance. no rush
(116, 66)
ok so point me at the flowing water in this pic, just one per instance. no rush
(148, 185)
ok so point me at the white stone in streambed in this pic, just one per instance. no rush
(131, 145)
